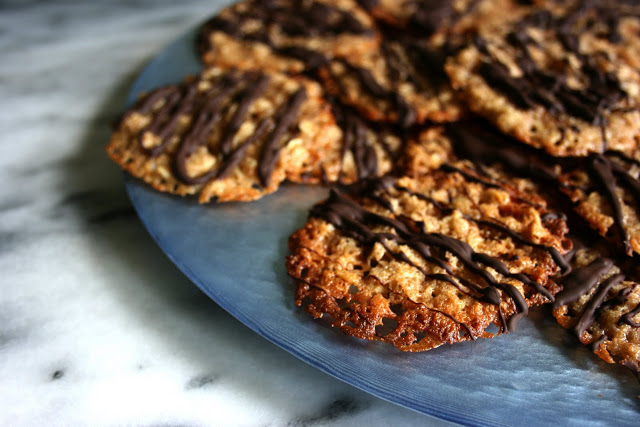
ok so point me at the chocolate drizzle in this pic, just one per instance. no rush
(406, 115)
(581, 282)
(602, 90)
(553, 252)
(602, 175)
(628, 317)
(356, 222)
(361, 137)
(284, 121)
(608, 172)
(588, 315)
(293, 18)
(207, 109)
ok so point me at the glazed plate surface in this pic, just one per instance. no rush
(235, 253)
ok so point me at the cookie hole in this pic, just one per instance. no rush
(357, 267)
(304, 272)
(459, 295)
(350, 324)
(396, 309)
(534, 129)
(256, 187)
(420, 336)
(353, 289)
(373, 263)
(388, 326)
(434, 294)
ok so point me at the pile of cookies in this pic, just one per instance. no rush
(484, 157)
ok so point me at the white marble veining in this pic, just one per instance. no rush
(97, 327)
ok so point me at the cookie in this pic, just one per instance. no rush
(229, 135)
(286, 35)
(601, 305)
(565, 79)
(605, 189)
(428, 18)
(420, 262)
(401, 82)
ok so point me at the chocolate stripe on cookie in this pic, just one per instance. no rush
(598, 304)
(304, 30)
(358, 223)
(222, 134)
(564, 79)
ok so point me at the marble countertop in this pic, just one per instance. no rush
(97, 327)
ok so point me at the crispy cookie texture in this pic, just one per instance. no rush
(286, 35)
(439, 18)
(564, 78)
(420, 262)
(401, 82)
(476, 146)
(229, 135)
(601, 305)
(605, 189)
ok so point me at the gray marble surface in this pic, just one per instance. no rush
(97, 327)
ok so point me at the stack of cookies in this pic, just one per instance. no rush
(484, 158)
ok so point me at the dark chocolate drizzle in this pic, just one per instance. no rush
(553, 252)
(602, 173)
(581, 281)
(406, 115)
(358, 223)
(588, 315)
(628, 317)
(284, 121)
(483, 145)
(536, 87)
(207, 109)
(361, 138)
(294, 18)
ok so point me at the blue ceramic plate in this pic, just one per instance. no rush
(235, 253)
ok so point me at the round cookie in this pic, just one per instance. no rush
(229, 135)
(565, 78)
(286, 35)
(420, 262)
